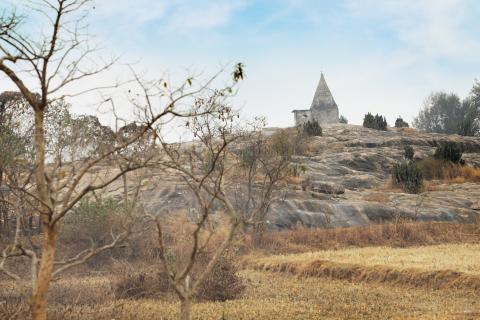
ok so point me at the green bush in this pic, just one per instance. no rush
(399, 123)
(91, 220)
(408, 176)
(342, 119)
(376, 122)
(409, 152)
(312, 128)
(448, 151)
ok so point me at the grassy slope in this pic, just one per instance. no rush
(449, 266)
(459, 257)
(283, 297)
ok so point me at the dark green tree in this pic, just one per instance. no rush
(409, 152)
(400, 123)
(312, 128)
(448, 151)
(376, 122)
(446, 113)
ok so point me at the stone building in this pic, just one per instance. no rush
(324, 109)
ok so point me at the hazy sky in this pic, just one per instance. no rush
(381, 56)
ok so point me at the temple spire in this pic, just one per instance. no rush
(323, 97)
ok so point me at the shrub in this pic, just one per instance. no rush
(342, 119)
(448, 151)
(312, 128)
(399, 123)
(408, 175)
(409, 152)
(139, 282)
(433, 169)
(91, 219)
(222, 284)
(376, 122)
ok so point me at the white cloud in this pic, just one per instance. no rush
(175, 15)
(136, 12)
(430, 27)
(188, 17)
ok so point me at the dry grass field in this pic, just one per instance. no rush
(409, 271)
(448, 266)
(273, 296)
(458, 257)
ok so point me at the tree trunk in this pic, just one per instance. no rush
(38, 300)
(39, 293)
(185, 307)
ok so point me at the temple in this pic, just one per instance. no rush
(324, 109)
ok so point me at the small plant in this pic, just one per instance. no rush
(408, 175)
(448, 151)
(376, 122)
(222, 284)
(342, 119)
(399, 123)
(312, 128)
(409, 152)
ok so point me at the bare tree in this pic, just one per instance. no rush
(213, 167)
(45, 66)
(202, 165)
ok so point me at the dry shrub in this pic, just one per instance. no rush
(139, 282)
(437, 279)
(402, 234)
(447, 172)
(149, 280)
(222, 284)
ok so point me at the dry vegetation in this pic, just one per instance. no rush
(403, 234)
(443, 266)
(448, 173)
(276, 296)
(377, 281)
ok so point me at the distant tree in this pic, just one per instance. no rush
(312, 128)
(376, 122)
(446, 113)
(399, 123)
(448, 151)
(409, 152)
(408, 176)
(343, 119)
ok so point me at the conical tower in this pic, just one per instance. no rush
(323, 97)
(324, 108)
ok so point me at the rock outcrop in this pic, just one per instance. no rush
(345, 181)
(348, 169)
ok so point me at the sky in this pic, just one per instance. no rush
(379, 56)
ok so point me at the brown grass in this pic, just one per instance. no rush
(436, 267)
(284, 297)
(446, 172)
(389, 186)
(377, 197)
(403, 234)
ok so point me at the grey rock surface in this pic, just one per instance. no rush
(346, 182)
(349, 169)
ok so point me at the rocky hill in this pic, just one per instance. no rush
(347, 178)
(346, 182)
